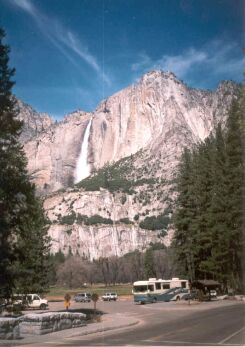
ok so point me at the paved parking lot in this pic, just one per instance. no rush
(172, 323)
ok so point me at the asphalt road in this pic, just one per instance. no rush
(172, 324)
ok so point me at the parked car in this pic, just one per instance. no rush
(109, 297)
(30, 301)
(213, 294)
(82, 297)
(190, 296)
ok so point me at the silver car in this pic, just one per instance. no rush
(82, 297)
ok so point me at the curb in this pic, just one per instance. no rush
(102, 329)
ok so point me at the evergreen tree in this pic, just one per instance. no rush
(202, 192)
(23, 238)
(235, 191)
(185, 213)
(149, 268)
(209, 217)
(218, 261)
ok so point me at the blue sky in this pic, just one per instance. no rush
(71, 54)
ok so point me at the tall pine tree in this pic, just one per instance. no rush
(23, 238)
(209, 217)
(235, 180)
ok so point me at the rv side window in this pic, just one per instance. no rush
(183, 284)
(158, 285)
(151, 288)
(165, 286)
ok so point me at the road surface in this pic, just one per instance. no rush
(175, 324)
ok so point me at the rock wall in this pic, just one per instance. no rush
(100, 240)
(39, 324)
(9, 328)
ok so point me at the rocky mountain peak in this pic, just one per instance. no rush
(34, 123)
(75, 116)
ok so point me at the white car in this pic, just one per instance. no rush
(213, 294)
(109, 297)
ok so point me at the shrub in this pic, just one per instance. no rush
(155, 222)
(68, 219)
(95, 219)
(123, 199)
(125, 220)
(136, 217)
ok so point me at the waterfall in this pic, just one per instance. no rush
(83, 168)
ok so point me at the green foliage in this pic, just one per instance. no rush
(209, 216)
(95, 219)
(136, 217)
(123, 199)
(68, 219)
(54, 261)
(125, 220)
(113, 178)
(149, 268)
(155, 222)
(24, 244)
(157, 246)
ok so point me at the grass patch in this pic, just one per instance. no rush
(58, 293)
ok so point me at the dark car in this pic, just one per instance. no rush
(82, 297)
(190, 296)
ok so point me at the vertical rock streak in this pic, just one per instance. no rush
(83, 167)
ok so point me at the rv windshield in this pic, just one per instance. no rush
(140, 289)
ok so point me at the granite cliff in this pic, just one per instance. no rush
(129, 147)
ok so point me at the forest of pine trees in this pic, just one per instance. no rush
(209, 218)
(24, 243)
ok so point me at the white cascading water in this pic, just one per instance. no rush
(83, 168)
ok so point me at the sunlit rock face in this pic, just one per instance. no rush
(100, 240)
(53, 154)
(157, 113)
(149, 124)
(33, 122)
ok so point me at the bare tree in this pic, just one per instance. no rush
(71, 273)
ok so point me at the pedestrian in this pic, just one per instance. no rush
(67, 303)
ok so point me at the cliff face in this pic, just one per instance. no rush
(145, 126)
(34, 123)
(52, 155)
(159, 112)
(117, 234)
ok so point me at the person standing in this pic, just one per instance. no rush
(67, 302)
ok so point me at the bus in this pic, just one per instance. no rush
(155, 290)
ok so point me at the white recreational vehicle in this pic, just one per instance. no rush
(159, 290)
